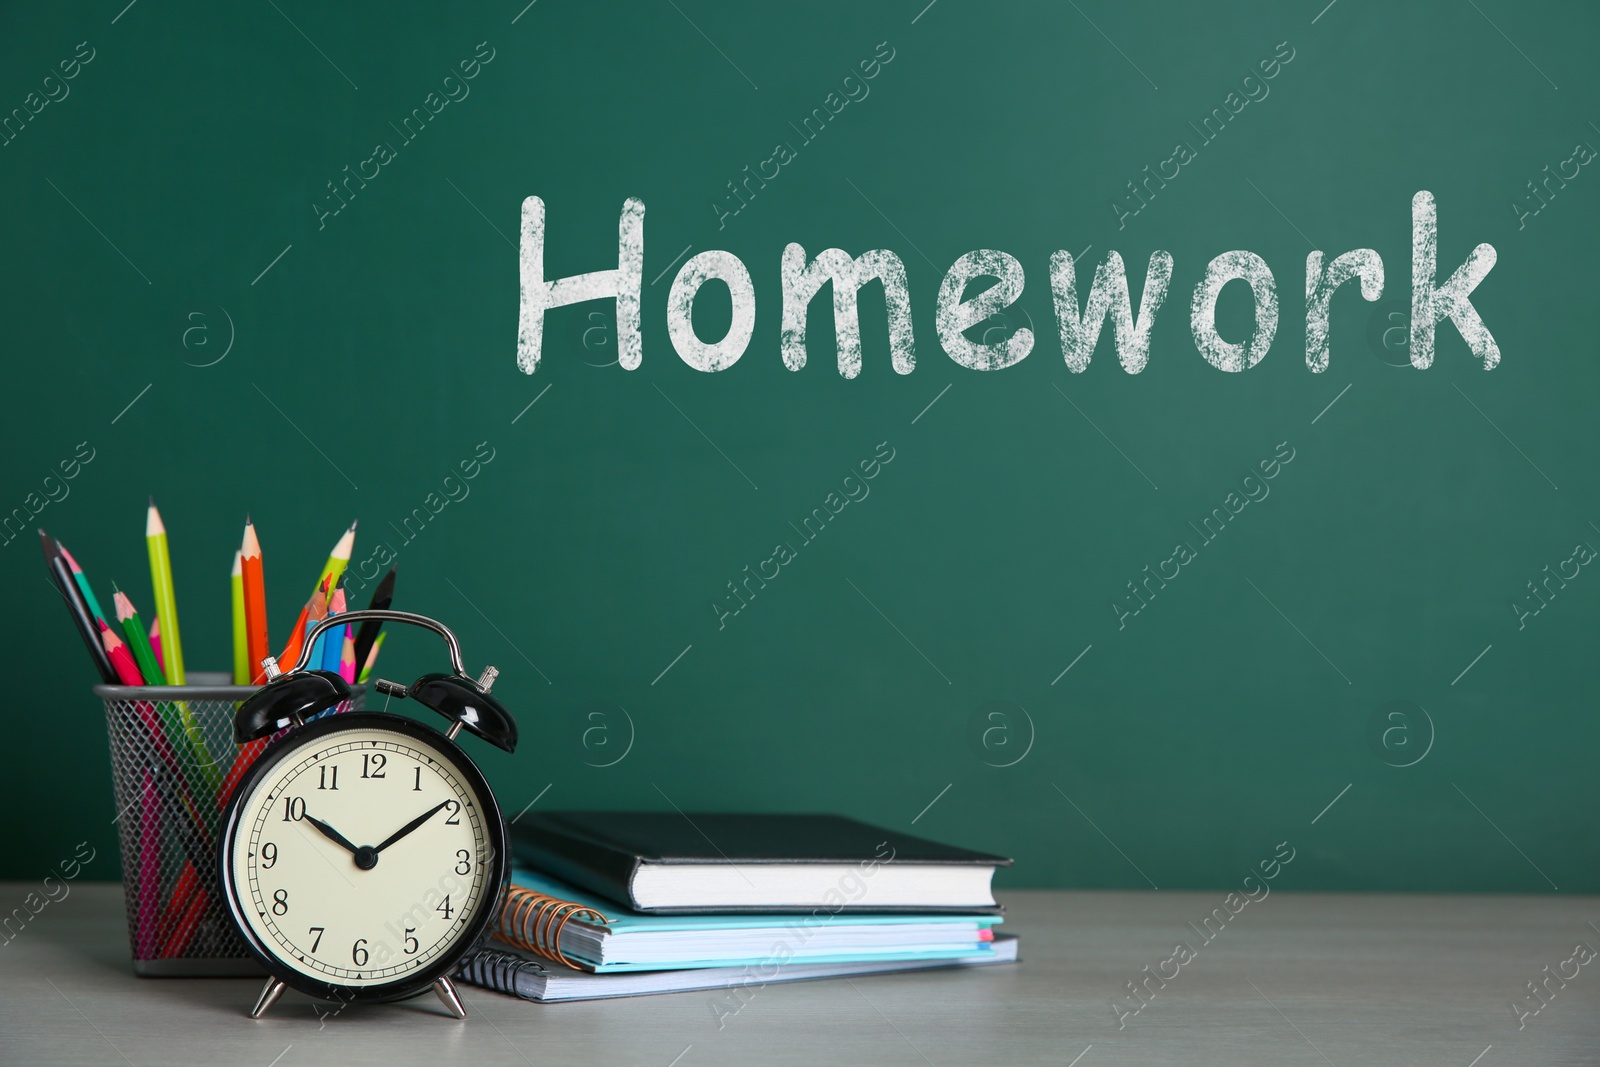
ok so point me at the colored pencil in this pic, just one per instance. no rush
(331, 643)
(372, 658)
(241, 644)
(138, 640)
(296, 642)
(162, 721)
(180, 722)
(166, 739)
(187, 926)
(121, 659)
(155, 533)
(67, 588)
(83, 582)
(172, 790)
(148, 891)
(167, 644)
(178, 903)
(297, 636)
(241, 763)
(316, 611)
(255, 602)
(338, 560)
(347, 657)
(331, 572)
(147, 888)
(382, 597)
(248, 752)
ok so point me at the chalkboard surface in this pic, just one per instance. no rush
(1135, 629)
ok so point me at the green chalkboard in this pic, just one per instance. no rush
(1136, 629)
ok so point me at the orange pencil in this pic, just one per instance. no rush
(248, 752)
(338, 559)
(297, 639)
(255, 602)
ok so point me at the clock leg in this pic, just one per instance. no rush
(269, 996)
(452, 1000)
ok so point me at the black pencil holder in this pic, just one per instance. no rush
(173, 764)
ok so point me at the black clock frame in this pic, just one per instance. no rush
(478, 930)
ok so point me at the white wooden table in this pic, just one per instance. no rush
(1314, 979)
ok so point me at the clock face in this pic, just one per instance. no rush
(360, 857)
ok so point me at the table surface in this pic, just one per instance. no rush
(1334, 979)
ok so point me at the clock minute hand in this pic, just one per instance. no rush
(331, 834)
(412, 825)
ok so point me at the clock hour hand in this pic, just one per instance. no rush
(412, 825)
(331, 834)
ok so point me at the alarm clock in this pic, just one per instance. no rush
(363, 854)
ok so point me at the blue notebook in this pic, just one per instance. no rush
(564, 924)
(520, 974)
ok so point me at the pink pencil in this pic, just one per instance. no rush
(347, 657)
(147, 942)
(155, 643)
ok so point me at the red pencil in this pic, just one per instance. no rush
(179, 902)
(187, 926)
(121, 658)
(255, 602)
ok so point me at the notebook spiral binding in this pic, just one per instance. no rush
(498, 970)
(534, 921)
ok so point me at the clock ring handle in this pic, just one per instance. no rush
(291, 697)
(387, 615)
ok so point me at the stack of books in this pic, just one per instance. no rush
(616, 904)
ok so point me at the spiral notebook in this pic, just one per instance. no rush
(520, 973)
(568, 926)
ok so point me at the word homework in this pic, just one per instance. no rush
(1079, 323)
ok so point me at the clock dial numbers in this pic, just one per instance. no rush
(304, 829)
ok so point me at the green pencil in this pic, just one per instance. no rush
(241, 653)
(372, 657)
(155, 533)
(182, 731)
(138, 640)
(83, 583)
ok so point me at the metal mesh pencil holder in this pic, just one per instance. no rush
(174, 765)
